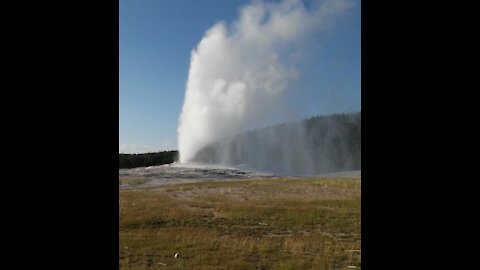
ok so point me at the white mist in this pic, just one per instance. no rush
(239, 73)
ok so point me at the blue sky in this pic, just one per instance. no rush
(156, 38)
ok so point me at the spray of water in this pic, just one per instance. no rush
(240, 72)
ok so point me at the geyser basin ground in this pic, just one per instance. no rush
(149, 177)
(275, 223)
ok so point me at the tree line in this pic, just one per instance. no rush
(146, 159)
(316, 145)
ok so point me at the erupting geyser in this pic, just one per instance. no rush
(239, 73)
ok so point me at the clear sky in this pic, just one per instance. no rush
(156, 39)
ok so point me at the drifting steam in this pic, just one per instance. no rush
(240, 73)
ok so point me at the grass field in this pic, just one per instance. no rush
(254, 224)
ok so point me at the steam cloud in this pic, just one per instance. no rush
(239, 73)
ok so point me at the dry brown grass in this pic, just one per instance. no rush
(255, 224)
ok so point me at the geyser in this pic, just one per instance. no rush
(240, 73)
